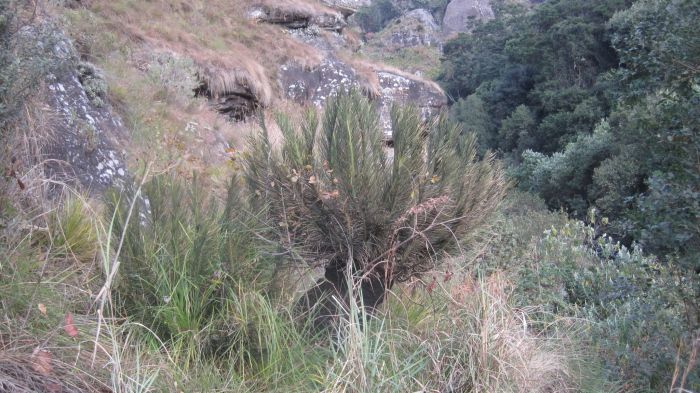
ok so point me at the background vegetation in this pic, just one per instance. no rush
(176, 286)
(377, 15)
(594, 105)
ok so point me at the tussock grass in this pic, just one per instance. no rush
(71, 231)
(461, 335)
(226, 81)
(215, 34)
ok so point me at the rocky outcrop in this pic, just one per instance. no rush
(398, 89)
(237, 90)
(317, 84)
(347, 7)
(323, 40)
(238, 102)
(85, 131)
(314, 85)
(297, 18)
(414, 28)
(461, 14)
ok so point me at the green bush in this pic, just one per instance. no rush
(25, 56)
(374, 17)
(562, 178)
(471, 113)
(93, 82)
(182, 256)
(641, 313)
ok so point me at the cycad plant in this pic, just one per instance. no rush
(335, 197)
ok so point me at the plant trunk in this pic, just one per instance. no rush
(328, 299)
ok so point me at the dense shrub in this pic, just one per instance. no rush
(183, 254)
(335, 199)
(642, 313)
(562, 177)
(25, 56)
(637, 315)
(375, 16)
(537, 83)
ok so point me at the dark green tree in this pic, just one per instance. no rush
(516, 132)
(551, 59)
(471, 114)
(658, 127)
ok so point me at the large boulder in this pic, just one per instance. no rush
(85, 134)
(317, 84)
(461, 14)
(332, 76)
(414, 28)
(403, 89)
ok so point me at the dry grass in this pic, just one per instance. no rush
(30, 373)
(216, 34)
(250, 76)
(367, 73)
(302, 7)
(503, 353)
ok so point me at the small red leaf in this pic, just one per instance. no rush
(431, 286)
(448, 276)
(68, 326)
(41, 361)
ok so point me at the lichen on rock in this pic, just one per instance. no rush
(85, 132)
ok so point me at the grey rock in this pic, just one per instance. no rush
(297, 18)
(325, 41)
(414, 28)
(424, 17)
(347, 7)
(404, 90)
(461, 14)
(316, 85)
(83, 151)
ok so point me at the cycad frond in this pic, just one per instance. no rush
(336, 195)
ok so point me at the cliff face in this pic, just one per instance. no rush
(342, 69)
(190, 78)
(83, 131)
